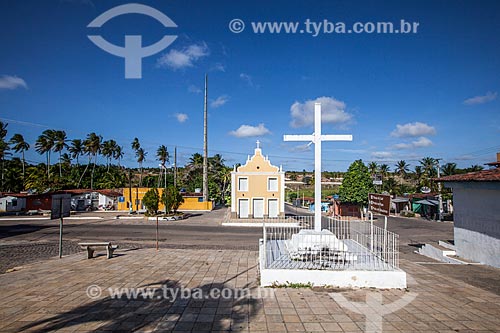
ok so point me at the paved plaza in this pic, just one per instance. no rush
(73, 294)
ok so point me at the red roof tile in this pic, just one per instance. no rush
(492, 175)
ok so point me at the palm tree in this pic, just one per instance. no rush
(4, 148)
(429, 166)
(20, 145)
(44, 145)
(59, 144)
(66, 159)
(384, 170)
(76, 149)
(135, 144)
(373, 168)
(418, 174)
(402, 168)
(92, 147)
(449, 169)
(118, 153)
(163, 156)
(141, 157)
(108, 150)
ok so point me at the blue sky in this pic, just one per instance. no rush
(432, 93)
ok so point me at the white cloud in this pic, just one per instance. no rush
(219, 101)
(419, 143)
(181, 117)
(299, 148)
(245, 131)
(413, 130)
(194, 89)
(12, 82)
(490, 96)
(219, 67)
(178, 59)
(247, 78)
(332, 111)
(381, 154)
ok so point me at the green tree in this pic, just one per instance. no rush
(141, 157)
(402, 168)
(20, 145)
(357, 184)
(151, 201)
(449, 169)
(373, 168)
(172, 199)
(76, 149)
(59, 145)
(44, 145)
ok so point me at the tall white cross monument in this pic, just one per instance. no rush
(317, 138)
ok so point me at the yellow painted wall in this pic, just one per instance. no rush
(190, 203)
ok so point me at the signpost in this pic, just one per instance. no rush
(61, 207)
(379, 203)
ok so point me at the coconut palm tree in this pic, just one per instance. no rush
(59, 145)
(108, 150)
(384, 170)
(135, 144)
(163, 156)
(429, 166)
(373, 168)
(92, 147)
(141, 157)
(44, 145)
(4, 148)
(402, 168)
(20, 145)
(449, 169)
(118, 153)
(76, 149)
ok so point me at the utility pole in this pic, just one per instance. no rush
(130, 190)
(175, 167)
(439, 190)
(205, 146)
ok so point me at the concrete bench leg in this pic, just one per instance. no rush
(110, 251)
(90, 252)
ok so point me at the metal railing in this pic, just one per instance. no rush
(343, 244)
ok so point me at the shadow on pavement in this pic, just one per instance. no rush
(21, 229)
(157, 306)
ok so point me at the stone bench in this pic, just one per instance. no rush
(91, 247)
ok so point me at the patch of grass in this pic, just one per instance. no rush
(293, 285)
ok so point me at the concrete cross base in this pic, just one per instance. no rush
(342, 279)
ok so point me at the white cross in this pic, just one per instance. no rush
(317, 138)
(258, 144)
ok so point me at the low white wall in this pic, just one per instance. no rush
(341, 279)
(477, 247)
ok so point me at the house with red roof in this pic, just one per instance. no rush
(476, 200)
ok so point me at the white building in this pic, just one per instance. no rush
(476, 199)
(12, 204)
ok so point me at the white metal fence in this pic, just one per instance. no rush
(343, 244)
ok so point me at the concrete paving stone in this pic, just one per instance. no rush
(331, 327)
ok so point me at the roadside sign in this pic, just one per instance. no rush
(379, 203)
(61, 206)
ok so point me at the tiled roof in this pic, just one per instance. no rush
(492, 175)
